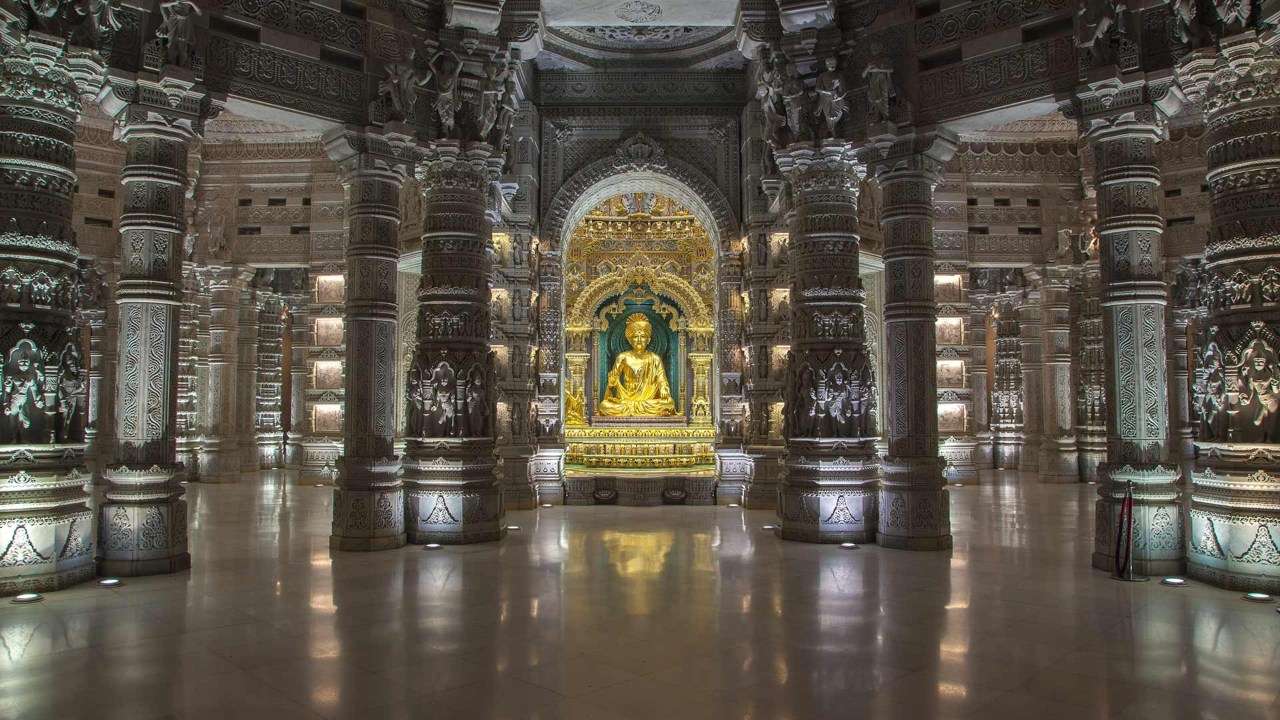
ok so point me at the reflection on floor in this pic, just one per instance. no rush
(655, 613)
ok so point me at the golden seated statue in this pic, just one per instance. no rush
(637, 385)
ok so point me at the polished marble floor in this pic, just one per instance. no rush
(654, 613)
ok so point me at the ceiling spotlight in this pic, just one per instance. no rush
(1174, 582)
(431, 546)
(27, 598)
(1258, 597)
(110, 582)
(849, 546)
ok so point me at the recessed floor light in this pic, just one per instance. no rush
(1174, 581)
(849, 546)
(27, 598)
(110, 582)
(768, 527)
(957, 484)
(431, 546)
(547, 505)
(1258, 597)
(1092, 482)
(513, 527)
(734, 505)
(319, 484)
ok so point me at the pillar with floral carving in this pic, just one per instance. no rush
(915, 511)
(368, 507)
(1134, 293)
(1059, 460)
(143, 523)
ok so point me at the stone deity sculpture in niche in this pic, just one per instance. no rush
(637, 384)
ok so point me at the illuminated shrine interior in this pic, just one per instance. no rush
(636, 359)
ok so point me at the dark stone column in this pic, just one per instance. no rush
(46, 527)
(915, 512)
(368, 506)
(829, 492)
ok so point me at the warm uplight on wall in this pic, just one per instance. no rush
(328, 375)
(331, 288)
(329, 331)
(326, 417)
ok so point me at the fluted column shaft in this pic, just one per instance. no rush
(144, 521)
(1133, 309)
(915, 509)
(46, 528)
(369, 498)
(1059, 461)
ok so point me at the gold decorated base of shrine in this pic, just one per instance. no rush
(687, 448)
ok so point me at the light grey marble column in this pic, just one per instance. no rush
(1032, 347)
(1059, 460)
(979, 380)
(143, 523)
(220, 453)
(1133, 307)
(915, 510)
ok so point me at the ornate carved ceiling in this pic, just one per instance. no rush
(685, 46)
(639, 12)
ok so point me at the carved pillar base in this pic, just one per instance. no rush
(1091, 451)
(1235, 518)
(983, 452)
(369, 518)
(915, 512)
(142, 527)
(828, 496)
(546, 475)
(1007, 450)
(733, 475)
(445, 502)
(1059, 460)
(513, 474)
(46, 528)
(767, 470)
(958, 453)
(1157, 518)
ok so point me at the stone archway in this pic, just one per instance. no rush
(639, 164)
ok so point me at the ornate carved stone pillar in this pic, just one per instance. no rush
(269, 382)
(829, 492)
(143, 525)
(1059, 461)
(246, 382)
(1133, 307)
(451, 492)
(368, 503)
(1091, 373)
(1186, 314)
(299, 342)
(1006, 397)
(1235, 496)
(94, 308)
(915, 512)
(979, 387)
(46, 528)
(220, 454)
(1032, 348)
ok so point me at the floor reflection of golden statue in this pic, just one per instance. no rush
(637, 383)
